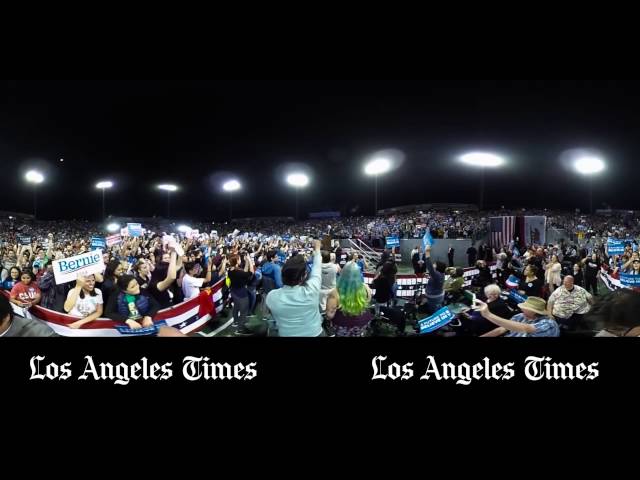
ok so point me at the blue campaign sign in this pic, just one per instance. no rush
(438, 320)
(282, 257)
(135, 229)
(615, 246)
(628, 280)
(515, 296)
(286, 238)
(153, 330)
(393, 242)
(98, 243)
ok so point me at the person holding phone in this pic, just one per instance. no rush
(534, 321)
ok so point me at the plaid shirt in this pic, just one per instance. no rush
(545, 327)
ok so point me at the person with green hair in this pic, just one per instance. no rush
(348, 303)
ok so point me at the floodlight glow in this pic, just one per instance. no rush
(298, 180)
(103, 185)
(34, 177)
(589, 165)
(378, 166)
(184, 229)
(482, 159)
(231, 186)
(168, 188)
(113, 227)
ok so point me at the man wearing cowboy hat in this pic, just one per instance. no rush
(534, 321)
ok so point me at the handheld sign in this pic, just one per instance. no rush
(68, 269)
(438, 320)
(124, 232)
(628, 280)
(615, 246)
(98, 242)
(135, 229)
(393, 241)
(114, 240)
(24, 240)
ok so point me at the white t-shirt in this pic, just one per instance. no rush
(87, 305)
(191, 286)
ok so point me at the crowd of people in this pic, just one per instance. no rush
(311, 287)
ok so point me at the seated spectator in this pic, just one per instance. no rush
(475, 324)
(84, 301)
(534, 320)
(130, 306)
(348, 304)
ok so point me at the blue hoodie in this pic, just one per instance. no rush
(273, 271)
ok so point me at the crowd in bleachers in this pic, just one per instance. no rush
(281, 270)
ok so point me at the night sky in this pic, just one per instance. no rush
(194, 133)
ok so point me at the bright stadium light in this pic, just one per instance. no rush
(168, 188)
(113, 228)
(231, 186)
(589, 165)
(298, 180)
(103, 186)
(35, 178)
(184, 229)
(378, 166)
(482, 159)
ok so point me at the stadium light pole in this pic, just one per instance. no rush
(589, 166)
(168, 188)
(231, 186)
(103, 186)
(298, 181)
(36, 178)
(374, 168)
(482, 160)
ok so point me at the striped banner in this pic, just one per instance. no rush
(188, 317)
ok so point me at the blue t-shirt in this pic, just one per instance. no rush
(545, 327)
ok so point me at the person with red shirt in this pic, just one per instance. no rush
(26, 293)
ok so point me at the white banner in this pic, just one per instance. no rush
(68, 269)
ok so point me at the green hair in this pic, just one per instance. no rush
(354, 298)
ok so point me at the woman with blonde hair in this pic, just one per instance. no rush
(348, 303)
(552, 276)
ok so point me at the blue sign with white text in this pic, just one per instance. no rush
(393, 242)
(615, 246)
(98, 243)
(438, 320)
(135, 229)
(628, 280)
(515, 296)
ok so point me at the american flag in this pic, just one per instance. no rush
(502, 230)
